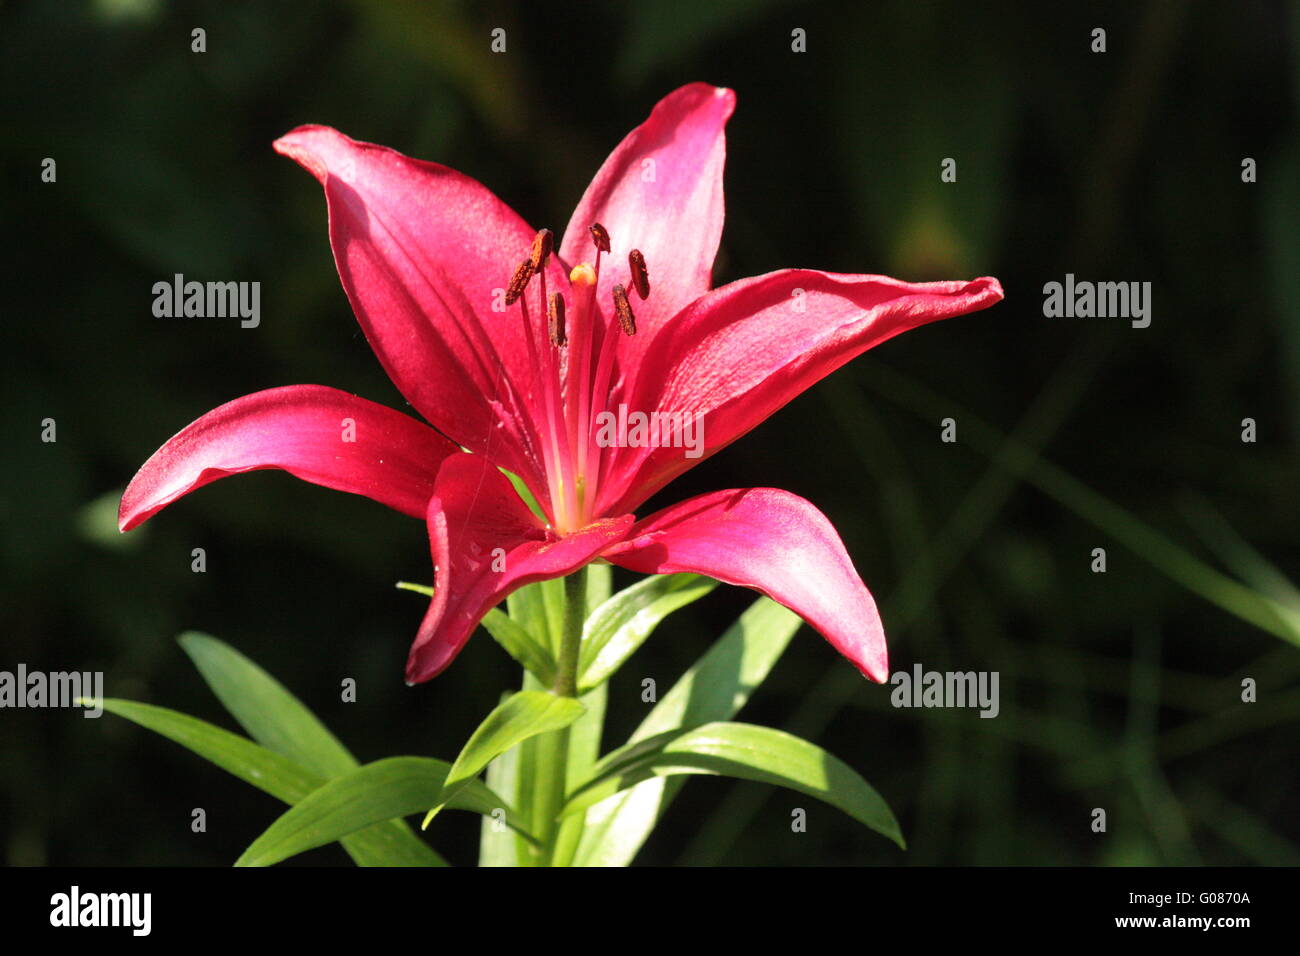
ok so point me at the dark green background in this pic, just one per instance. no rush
(1119, 690)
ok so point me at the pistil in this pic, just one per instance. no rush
(584, 281)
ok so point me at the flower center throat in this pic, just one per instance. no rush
(571, 372)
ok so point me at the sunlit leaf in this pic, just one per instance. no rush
(746, 752)
(619, 626)
(522, 715)
(276, 719)
(263, 707)
(381, 791)
(520, 645)
(716, 688)
(273, 773)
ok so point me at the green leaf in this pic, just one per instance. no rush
(275, 774)
(265, 709)
(600, 580)
(520, 644)
(276, 719)
(522, 715)
(584, 737)
(722, 681)
(525, 495)
(748, 753)
(424, 589)
(270, 772)
(620, 625)
(552, 595)
(527, 753)
(716, 688)
(498, 845)
(539, 609)
(377, 792)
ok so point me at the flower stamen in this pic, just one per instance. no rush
(640, 275)
(519, 282)
(571, 386)
(623, 309)
(555, 320)
(543, 243)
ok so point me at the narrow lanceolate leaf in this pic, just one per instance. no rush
(746, 752)
(585, 734)
(496, 845)
(384, 790)
(520, 644)
(552, 598)
(425, 589)
(521, 489)
(272, 773)
(530, 608)
(522, 715)
(263, 707)
(529, 761)
(716, 688)
(279, 721)
(600, 581)
(620, 625)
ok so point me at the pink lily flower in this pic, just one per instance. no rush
(513, 350)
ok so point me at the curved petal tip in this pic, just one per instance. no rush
(311, 146)
(987, 289)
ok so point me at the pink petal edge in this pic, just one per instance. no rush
(774, 542)
(301, 429)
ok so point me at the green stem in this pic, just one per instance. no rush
(552, 766)
(575, 614)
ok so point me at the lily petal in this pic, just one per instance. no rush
(318, 434)
(487, 544)
(776, 543)
(740, 353)
(423, 252)
(660, 191)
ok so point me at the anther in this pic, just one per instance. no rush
(623, 309)
(640, 277)
(519, 282)
(600, 237)
(555, 320)
(543, 243)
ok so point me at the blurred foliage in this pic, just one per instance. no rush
(1119, 690)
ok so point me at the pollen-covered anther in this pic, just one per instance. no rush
(543, 243)
(623, 309)
(519, 282)
(640, 276)
(555, 320)
(600, 236)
